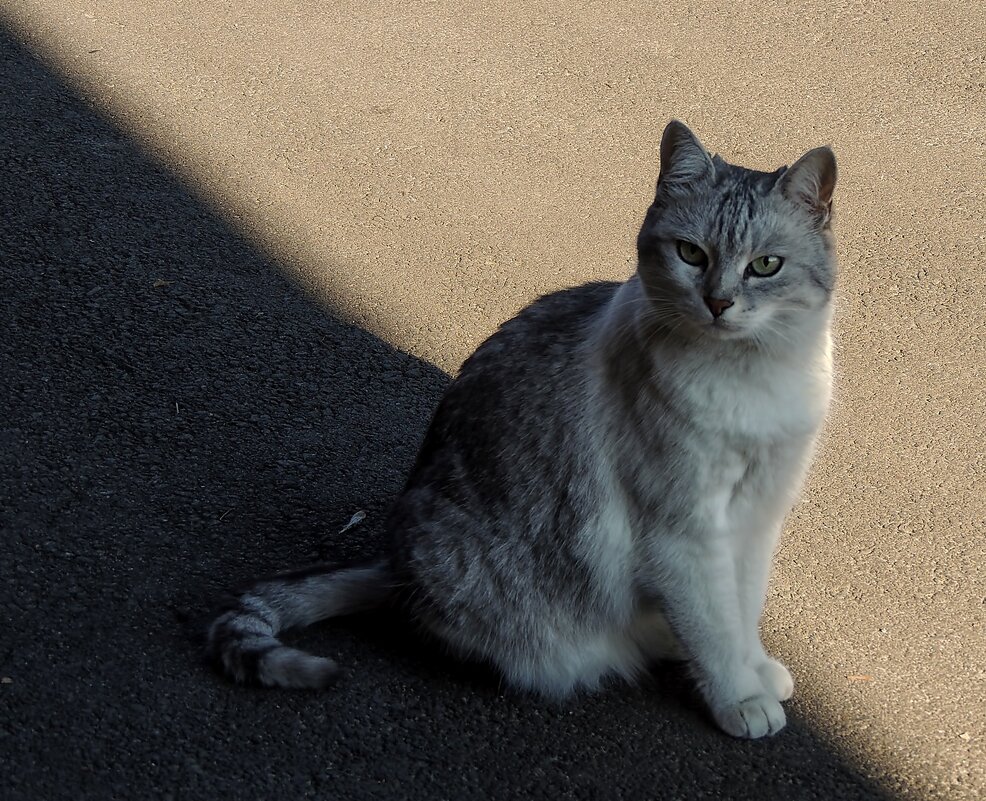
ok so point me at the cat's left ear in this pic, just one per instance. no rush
(810, 182)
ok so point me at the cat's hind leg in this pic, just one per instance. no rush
(653, 634)
(572, 664)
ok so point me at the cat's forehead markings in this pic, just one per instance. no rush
(734, 215)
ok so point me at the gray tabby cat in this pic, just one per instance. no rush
(605, 482)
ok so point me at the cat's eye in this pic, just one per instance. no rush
(691, 253)
(765, 265)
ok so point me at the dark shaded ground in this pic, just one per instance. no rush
(162, 442)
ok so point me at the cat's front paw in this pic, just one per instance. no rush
(776, 679)
(751, 718)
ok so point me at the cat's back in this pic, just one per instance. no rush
(508, 424)
(547, 335)
(534, 357)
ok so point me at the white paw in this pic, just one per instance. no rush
(776, 679)
(752, 718)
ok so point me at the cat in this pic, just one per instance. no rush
(604, 483)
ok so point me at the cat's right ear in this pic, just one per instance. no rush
(684, 162)
(810, 182)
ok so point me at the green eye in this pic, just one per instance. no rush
(765, 265)
(692, 254)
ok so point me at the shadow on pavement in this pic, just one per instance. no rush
(178, 415)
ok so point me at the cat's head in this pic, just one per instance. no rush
(735, 253)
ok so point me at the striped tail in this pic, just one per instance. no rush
(242, 641)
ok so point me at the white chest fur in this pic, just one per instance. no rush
(759, 400)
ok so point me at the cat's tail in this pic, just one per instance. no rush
(242, 641)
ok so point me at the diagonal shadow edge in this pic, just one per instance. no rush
(161, 437)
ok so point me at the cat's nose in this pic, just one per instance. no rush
(717, 306)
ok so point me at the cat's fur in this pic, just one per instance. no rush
(605, 482)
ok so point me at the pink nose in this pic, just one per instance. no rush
(717, 306)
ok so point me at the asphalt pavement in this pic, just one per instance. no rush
(185, 405)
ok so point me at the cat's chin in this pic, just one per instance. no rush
(726, 331)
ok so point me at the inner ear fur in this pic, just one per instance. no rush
(684, 160)
(810, 181)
